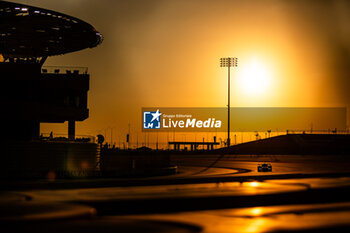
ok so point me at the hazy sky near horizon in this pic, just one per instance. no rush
(166, 53)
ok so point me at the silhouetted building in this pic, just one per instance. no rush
(31, 94)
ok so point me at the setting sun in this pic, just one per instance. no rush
(254, 78)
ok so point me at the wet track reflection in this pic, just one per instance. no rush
(167, 191)
(289, 218)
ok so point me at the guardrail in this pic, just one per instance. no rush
(313, 131)
(63, 70)
(63, 137)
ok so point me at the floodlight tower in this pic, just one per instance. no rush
(228, 62)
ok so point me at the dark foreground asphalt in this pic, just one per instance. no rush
(228, 196)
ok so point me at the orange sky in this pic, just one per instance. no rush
(166, 53)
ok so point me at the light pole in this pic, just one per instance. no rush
(228, 62)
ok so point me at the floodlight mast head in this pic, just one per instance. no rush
(228, 62)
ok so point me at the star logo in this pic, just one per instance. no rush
(151, 120)
(156, 115)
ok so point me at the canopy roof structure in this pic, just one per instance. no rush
(32, 32)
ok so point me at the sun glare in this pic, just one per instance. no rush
(254, 78)
(254, 184)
